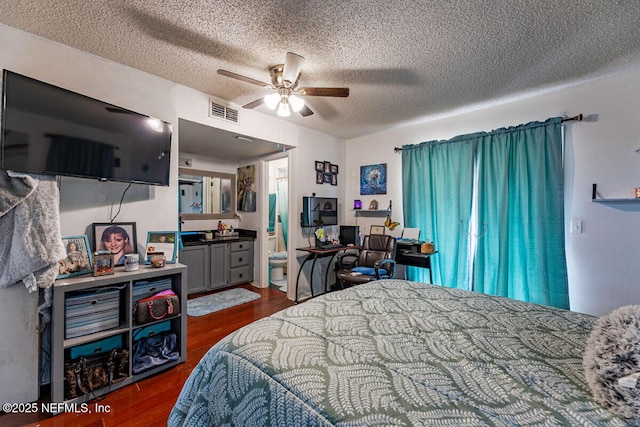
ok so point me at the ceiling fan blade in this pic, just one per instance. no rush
(254, 104)
(243, 78)
(305, 111)
(324, 91)
(292, 66)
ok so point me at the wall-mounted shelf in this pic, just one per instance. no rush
(371, 212)
(594, 198)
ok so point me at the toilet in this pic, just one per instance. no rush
(277, 261)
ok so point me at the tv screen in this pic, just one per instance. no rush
(319, 211)
(54, 131)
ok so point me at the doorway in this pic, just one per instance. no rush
(278, 223)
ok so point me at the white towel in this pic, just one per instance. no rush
(30, 238)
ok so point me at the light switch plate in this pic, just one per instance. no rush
(576, 226)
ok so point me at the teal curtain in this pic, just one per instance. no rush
(437, 193)
(521, 207)
(272, 212)
(283, 207)
(493, 203)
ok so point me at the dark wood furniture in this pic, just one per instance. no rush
(376, 255)
(409, 254)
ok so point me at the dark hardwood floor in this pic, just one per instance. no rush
(149, 402)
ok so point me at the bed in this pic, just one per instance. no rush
(398, 353)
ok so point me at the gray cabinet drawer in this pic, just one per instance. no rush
(240, 275)
(240, 246)
(237, 259)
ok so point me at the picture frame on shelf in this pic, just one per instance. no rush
(161, 243)
(78, 260)
(103, 263)
(376, 229)
(117, 238)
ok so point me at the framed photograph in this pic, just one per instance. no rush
(319, 166)
(117, 238)
(334, 179)
(327, 167)
(319, 177)
(78, 259)
(377, 229)
(334, 169)
(327, 178)
(103, 264)
(161, 243)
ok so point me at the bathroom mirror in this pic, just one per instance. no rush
(206, 195)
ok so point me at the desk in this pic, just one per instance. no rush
(409, 254)
(313, 253)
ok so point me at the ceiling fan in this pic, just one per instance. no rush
(284, 81)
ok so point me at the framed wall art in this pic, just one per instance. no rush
(247, 188)
(161, 243)
(376, 229)
(373, 179)
(78, 259)
(117, 238)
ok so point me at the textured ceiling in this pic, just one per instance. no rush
(403, 60)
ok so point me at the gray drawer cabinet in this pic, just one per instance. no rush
(240, 262)
(218, 264)
(197, 259)
(127, 331)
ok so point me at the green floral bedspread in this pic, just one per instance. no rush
(398, 353)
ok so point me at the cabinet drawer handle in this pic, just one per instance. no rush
(239, 259)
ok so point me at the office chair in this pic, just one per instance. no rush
(374, 261)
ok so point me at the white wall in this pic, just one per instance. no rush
(83, 202)
(602, 260)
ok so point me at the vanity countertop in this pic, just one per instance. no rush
(198, 238)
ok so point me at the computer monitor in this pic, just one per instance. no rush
(349, 234)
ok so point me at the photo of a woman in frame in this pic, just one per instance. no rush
(116, 240)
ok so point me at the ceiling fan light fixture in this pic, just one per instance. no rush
(283, 109)
(296, 103)
(272, 100)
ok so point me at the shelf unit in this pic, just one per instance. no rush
(594, 197)
(371, 212)
(125, 281)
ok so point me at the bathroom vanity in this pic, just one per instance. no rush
(219, 262)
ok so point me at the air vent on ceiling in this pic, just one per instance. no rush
(222, 112)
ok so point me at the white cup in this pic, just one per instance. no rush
(131, 262)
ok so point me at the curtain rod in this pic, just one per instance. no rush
(577, 118)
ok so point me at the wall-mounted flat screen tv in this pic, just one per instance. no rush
(54, 131)
(319, 211)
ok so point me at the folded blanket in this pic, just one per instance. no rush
(31, 242)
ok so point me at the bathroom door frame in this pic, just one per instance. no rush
(264, 220)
